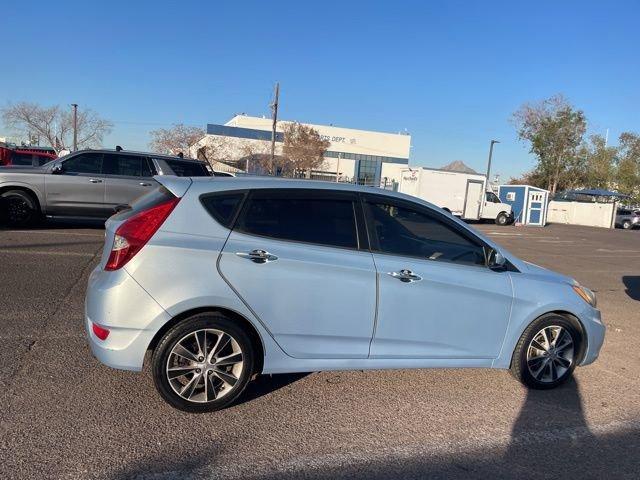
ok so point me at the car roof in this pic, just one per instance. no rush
(163, 156)
(211, 184)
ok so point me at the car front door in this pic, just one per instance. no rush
(127, 177)
(298, 260)
(78, 188)
(437, 299)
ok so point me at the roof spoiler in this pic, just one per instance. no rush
(176, 185)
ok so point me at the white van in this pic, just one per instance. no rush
(463, 194)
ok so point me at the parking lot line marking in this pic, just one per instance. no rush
(55, 232)
(45, 252)
(616, 251)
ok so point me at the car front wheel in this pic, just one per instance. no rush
(18, 208)
(626, 224)
(546, 353)
(203, 363)
(502, 219)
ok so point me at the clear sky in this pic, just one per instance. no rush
(449, 72)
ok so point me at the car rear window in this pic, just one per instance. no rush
(188, 169)
(222, 206)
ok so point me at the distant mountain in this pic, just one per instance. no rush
(458, 166)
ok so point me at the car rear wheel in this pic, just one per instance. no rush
(203, 363)
(19, 208)
(546, 353)
(502, 219)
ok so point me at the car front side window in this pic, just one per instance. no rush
(90, 163)
(399, 229)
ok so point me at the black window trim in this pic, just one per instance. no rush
(368, 197)
(361, 243)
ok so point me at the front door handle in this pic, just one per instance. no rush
(406, 276)
(145, 184)
(95, 180)
(258, 256)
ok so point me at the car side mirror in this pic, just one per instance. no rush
(496, 259)
(57, 169)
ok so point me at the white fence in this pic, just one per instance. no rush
(580, 213)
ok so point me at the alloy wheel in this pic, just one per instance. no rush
(204, 365)
(550, 353)
(18, 210)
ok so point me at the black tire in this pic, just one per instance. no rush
(502, 219)
(519, 366)
(626, 225)
(162, 356)
(19, 208)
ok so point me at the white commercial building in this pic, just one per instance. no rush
(365, 157)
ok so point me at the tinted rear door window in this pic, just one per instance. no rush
(188, 169)
(314, 216)
(127, 165)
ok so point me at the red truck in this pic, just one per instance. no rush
(25, 156)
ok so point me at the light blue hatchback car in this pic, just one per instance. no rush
(226, 278)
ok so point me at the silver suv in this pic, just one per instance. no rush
(225, 279)
(627, 218)
(86, 184)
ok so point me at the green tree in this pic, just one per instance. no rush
(627, 169)
(554, 130)
(600, 161)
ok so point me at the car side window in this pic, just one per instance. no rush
(126, 165)
(222, 206)
(402, 230)
(319, 218)
(84, 163)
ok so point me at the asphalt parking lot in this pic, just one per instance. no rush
(63, 415)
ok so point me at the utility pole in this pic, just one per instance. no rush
(338, 166)
(274, 118)
(489, 163)
(75, 126)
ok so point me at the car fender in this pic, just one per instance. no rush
(28, 186)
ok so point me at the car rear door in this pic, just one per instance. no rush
(297, 258)
(437, 299)
(127, 177)
(78, 190)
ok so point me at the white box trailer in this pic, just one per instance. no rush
(462, 194)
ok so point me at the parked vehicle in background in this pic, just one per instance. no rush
(627, 218)
(228, 278)
(465, 195)
(24, 156)
(86, 184)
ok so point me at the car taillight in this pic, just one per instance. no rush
(100, 332)
(136, 231)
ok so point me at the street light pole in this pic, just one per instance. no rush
(489, 162)
(75, 126)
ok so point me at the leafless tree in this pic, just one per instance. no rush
(55, 125)
(175, 139)
(302, 151)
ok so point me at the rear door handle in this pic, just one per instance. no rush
(406, 276)
(258, 256)
(95, 180)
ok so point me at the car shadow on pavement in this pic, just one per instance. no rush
(550, 439)
(266, 384)
(632, 286)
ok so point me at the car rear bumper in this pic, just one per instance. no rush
(117, 303)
